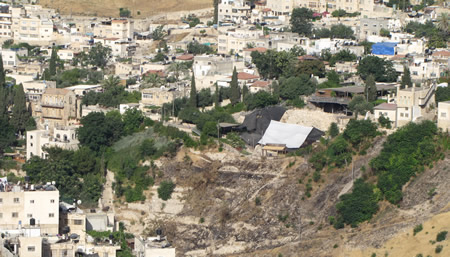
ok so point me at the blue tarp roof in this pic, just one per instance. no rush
(385, 48)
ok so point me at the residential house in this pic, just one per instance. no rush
(234, 11)
(5, 21)
(11, 56)
(371, 27)
(64, 138)
(239, 39)
(211, 69)
(387, 110)
(33, 30)
(259, 85)
(159, 96)
(443, 116)
(27, 206)
(58, 107)
(413, 103)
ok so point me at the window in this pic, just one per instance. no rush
(401, 114)
(52, 201)
(1, 200)
(16, 200)
(406, 115)
(443, 115)
(31, 248)
(51, 215)
(31, 136)
(31, 201)
(15, 215)
(29, 215)
(1, 215)
(78, 222)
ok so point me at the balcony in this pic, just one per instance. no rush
(53, 105)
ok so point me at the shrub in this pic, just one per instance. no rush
(438, 248)
(165, 190)
(417, 229)
(441, 236)
(257, 201)
(333, 130)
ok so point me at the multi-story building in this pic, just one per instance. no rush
(209, 69)
(372, 26)
(159, 96)
(5, 21)
(413, 102)
(28, 206)
(236, 41)
(58, 107)
(122, 28)
(234, 10)
(10, 57)
(33, 29)
(38, 140)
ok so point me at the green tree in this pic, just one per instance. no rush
(98, 131)
(382, 70)
(197, 48)
(367, 47)
(385, 32)
(193, 99)
(370, 89)
(406, 78)
(311, 67)
(204, 98)
(442, 94)
(99, 55)
(3, 102)
(159, 33)
(132, 120)
(273, 64)
(153, 80)
(357, 131)
(2, 72)
(165, 190)
(124, 12)
(293, 87)
(178, 69)
(339, 13)
(359, 105)
(6, 134)
(359, 205)
(235, 90)
(111, 82)
(53, 61)
(216, 96)
(20, 115)
(260, 99)
(301, 21)
(341, 31)
(333, 131)
(216, 11)
(147, 147)
(443, 23)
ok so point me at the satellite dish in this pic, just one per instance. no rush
(79, 202)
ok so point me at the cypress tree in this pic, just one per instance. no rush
(2, 72)
(193, 96)
(20, 114)
(217, 96)
(3, 102)
(245, 91)
(216, 11)
(406, 78)
(370, 91)
(235, 90)
(52, 65)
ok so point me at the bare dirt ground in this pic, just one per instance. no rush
(110, 8)
(215, 211)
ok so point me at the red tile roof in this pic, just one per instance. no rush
(158, 72)
(266, 10)
(246, 76)
(441, 53)
(185, 57)
(260, 83)
(307, 57)
(386, 106)
(258, 49)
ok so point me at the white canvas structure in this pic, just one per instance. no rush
(291, 135)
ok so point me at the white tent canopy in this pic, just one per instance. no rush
(291, 135)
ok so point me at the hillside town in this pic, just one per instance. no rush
(105, 122)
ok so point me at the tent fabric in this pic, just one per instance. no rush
(384, 48)
(291, 135)
(256, 123)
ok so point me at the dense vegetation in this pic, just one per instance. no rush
(382, 70)
(404, 155)
(437, 36)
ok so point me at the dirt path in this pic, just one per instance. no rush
(107, 198)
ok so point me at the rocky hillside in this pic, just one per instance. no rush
(227, 203)
(110, 8)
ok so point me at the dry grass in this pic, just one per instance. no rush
(110, 8)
